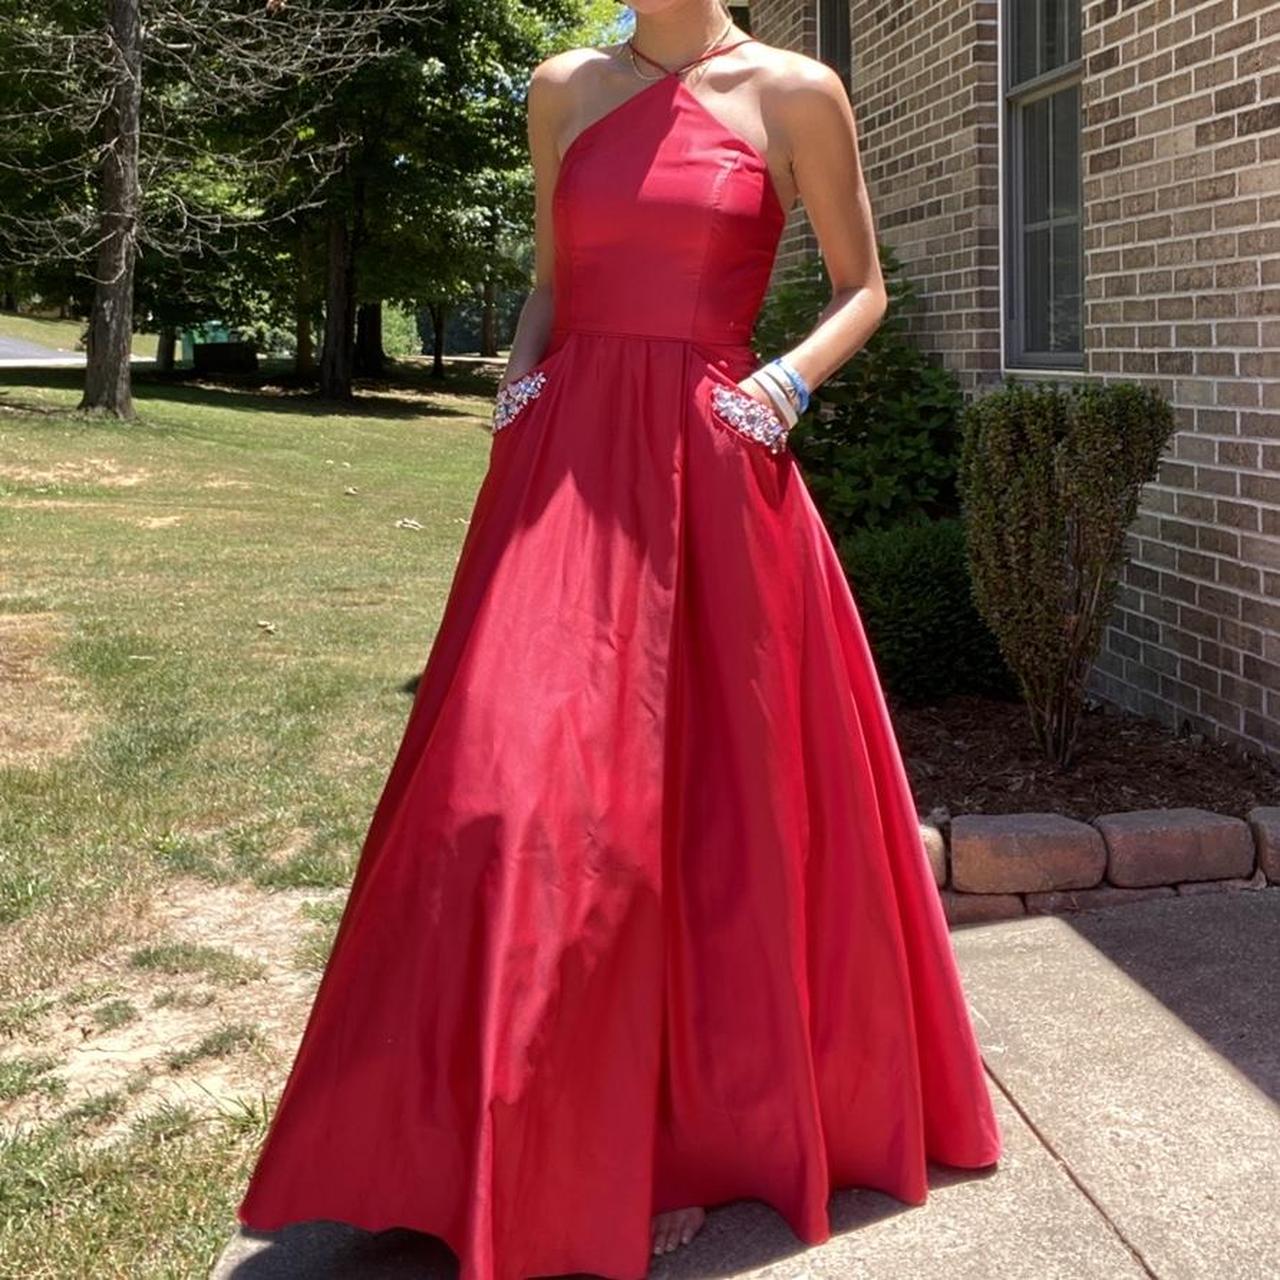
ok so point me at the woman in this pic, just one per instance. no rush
(643, 922)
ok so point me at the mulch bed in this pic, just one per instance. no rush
(976, 755)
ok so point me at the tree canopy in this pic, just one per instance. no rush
(269, 163)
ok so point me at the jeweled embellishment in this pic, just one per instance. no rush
(748, 415)
(513, 397)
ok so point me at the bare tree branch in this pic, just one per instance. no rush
(210, 66)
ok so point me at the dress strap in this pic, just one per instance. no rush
(702, 57)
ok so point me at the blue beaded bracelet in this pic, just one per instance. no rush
(793, 376)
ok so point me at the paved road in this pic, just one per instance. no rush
(14, 349)
(16, 354)
(1134, 1061)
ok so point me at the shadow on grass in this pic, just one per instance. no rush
(409, 390)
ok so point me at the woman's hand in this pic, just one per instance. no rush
(752, 388)
(509, 376)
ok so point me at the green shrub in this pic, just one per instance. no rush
(878, 444)
(400, 336)
(1050, 481)
(912, 588)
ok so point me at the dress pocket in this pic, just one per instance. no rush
(516, 396)
(741, 411)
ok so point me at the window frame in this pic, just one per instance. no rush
(840, 59)
(1015, 98)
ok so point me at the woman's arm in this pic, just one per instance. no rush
(545, 109)
(816, 117)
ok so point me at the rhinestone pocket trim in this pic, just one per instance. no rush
(746, 414)
(513, 397)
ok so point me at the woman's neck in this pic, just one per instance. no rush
(679, 33)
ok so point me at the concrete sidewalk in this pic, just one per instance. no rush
(1134, 1059)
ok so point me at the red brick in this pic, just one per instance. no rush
(1024, 852)
(1264, 822)
(1164, 846)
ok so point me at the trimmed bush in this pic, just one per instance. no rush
(1050, 481)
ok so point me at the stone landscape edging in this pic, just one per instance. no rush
(999, 866)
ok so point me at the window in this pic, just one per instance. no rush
(1044, 277)
(833, 38)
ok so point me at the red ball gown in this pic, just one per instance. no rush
(643, 918)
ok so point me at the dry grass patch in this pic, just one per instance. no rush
(59, 937)
(28, 503)
(207, 1013)
(40, 720)
(104, 472)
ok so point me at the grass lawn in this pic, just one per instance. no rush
(206, 654)
(62, 335)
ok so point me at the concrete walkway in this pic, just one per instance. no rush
(1134, 1058)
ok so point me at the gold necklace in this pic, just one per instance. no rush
(635, 66)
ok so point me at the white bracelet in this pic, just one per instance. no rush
(772, 380)
(782, 406)
(779, 380)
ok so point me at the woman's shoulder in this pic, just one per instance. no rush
(558, 68)
(790, 73)
(803, 96)
(562, 80)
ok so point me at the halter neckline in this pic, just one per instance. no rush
(702, 57)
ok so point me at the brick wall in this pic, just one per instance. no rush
(789, 24)
(1181, 176)
(1181, 159)
(925, 96)
(925, 93)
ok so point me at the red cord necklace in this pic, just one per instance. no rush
(693, 62)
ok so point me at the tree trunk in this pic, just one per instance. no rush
(304, 340)
(371, 360)
(337, 356)
(165, 343)
(437, 338)
(489, 320)
(107, 384)
(304, 352)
